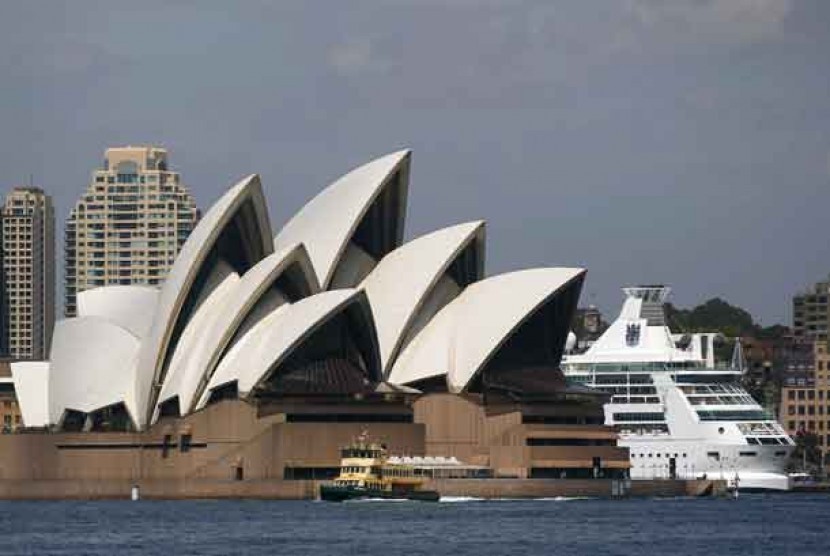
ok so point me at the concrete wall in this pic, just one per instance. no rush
(224, 436)
(550, 488)
(309, 490)
(230, 436)
(494, 435)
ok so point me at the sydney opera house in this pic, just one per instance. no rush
(263, 353)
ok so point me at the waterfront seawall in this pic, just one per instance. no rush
(308, 490)
(551, 488)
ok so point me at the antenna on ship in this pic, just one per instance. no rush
(738, 360)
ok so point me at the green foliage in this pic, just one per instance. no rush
(806, 453)
(713, 315)
(716, 315)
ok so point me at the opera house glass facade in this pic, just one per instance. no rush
(284, 345)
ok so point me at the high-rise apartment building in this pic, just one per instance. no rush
(811, 312)
(28, 264)
(129, 225)
(10, 417)
(805, 401)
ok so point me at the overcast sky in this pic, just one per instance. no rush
(685, 143)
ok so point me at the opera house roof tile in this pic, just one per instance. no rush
(237, 227)
(370, 196)
(467, 333)
(400, 286)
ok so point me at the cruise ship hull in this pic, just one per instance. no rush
(758, 468)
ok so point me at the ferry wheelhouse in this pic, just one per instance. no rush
(680, 414)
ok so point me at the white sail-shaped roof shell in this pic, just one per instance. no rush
(130, 307)
(187, 268)
(327, 223)
(399, 285)
(93, 366)
(251, 350)
(31, 387)
(465, 334)
(194, 341)
(214, 326)
(250, 361)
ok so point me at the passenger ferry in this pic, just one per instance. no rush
(680, 414)
(367, 472)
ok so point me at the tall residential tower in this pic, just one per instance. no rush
(129, 225)
(811, 312)
(28, 264)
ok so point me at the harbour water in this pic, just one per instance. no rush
(755, 524)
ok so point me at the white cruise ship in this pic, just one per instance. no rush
(679, 413)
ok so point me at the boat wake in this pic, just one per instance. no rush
(376, 500)
(564, 498)
(457, 499)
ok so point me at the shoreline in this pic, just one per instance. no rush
(269, 489)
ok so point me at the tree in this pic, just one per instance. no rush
(714, 315)
(807, 451)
